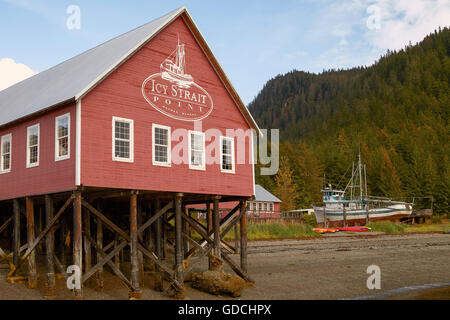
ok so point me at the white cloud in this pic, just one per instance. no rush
(403, 21)
(12, 72)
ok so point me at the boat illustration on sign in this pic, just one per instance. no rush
(173, 68)
(174, 92)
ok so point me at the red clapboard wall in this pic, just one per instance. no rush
(120, 95)
(50, 176)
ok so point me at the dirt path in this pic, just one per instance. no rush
(326, 268)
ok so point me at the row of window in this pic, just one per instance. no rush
(62, 144)
(260, 206)
(123, 146)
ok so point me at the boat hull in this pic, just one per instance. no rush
(359, 217)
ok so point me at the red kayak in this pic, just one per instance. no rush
(355, 229)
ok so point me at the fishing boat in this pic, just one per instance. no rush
(173, 68)
(349, 207)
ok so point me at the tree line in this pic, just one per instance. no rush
(394, 112)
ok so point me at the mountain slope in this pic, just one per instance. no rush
(396, 111)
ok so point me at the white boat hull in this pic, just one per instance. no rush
(359, 216)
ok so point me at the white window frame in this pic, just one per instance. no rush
(131, 123)
(36, 164)
(6, 137)
(271, 207)
(169, 146)
(233, 170)
(57, 157)
(191, 165)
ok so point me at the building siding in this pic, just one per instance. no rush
(50, 176)
(120, 95)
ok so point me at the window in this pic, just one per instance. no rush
(62, 137)
(33, 146)
(227, 154)
(5, 153)
(271, 207)
(196, 150)
(161, 146)
(123, 140)
(265, 206)
(259, 206)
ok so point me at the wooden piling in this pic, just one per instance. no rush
(236, 237)
(135, 281)
(345, 217)
(77, 240)
(184, 230)
(209, 228)
(16, 240)
(65, 221)
(100, 279)
(158, 248)
(243, 225)
(49, 246)
(140, 218)
(178, 239)
(86, 242)
(367, 214)
(32, 272)
(216, 227)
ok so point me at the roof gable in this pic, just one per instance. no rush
(72, 79)
(262, 194)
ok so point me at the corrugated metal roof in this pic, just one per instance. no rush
(72, 78)
(262, 194)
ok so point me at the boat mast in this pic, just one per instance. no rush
(360, 176)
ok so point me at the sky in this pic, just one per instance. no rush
(254, 40)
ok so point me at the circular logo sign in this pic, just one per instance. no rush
(174, 92)
(187, 102)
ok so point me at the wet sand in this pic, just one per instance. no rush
(325, 268)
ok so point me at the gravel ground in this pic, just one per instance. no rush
(326, 268)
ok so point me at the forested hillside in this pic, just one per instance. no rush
(396, 111)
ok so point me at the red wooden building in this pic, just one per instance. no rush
(128, 134)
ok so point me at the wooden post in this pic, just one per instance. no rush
(32, 273)
(188, 230)
(140, 217)
(49, 246)
(367, 214)
(149, 235)
(16, 241)
(216, 227)
(209, 224)
(86, 243)
(345, 217)
(178, 242)
(77, 241)
(39, 227)
(100, 279)
(65, 220)
(164, 236)
(243, 225)
(158, 248)
(135, 281)
(236, 237)
(185, 211)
